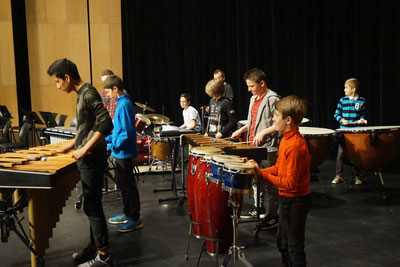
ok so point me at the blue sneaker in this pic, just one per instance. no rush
(119, 219)
(131, 225)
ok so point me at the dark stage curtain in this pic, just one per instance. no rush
(307, 48)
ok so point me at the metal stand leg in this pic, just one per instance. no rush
(382, 184)
(234, 249)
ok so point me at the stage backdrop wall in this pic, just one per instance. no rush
(308, 48)
(58, 29)
(8, 85)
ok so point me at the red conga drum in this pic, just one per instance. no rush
(216, 222)
(319, 141)
(196, 180)
(372, 147)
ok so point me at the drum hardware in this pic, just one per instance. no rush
(144, 107)
(234, 250)
(9, 221)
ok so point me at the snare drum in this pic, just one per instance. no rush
(161, 149)
(372, 147)
(237, 177)
(319, 141)
(141, 123)
(195, 181)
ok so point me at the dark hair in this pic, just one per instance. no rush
(112, 81)
(187, 96)
(64, 66)
(255, 75)
(107, 72)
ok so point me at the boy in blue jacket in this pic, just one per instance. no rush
(123, 147)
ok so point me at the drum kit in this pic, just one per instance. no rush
(150, 148)
(215, 187)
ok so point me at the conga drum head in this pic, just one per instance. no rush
(200, 150)
(319, 141)
(371, 147)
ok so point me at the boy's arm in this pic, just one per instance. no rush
(338, 113)
(124, 127)
(292, 177)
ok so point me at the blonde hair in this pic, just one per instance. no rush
(292, 106)
(215, 88)
(353, 83)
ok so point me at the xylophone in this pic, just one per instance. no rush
(46, 185)
(60, 133)
(229, 147)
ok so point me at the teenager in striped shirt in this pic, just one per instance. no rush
(350, 112)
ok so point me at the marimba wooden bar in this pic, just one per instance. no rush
(45, 184)
(229, 147)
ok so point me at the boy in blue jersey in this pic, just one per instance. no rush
(123, 147)
(350, 112)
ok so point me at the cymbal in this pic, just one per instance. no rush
(143, 118)
(158, 118)
(143, 106)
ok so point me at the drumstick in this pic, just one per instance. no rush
(225, 138)
(219, 122)
(357, 122)
(238, 143)
(208, 125)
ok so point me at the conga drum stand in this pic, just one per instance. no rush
(234, 249)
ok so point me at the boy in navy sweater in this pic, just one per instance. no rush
(350, 112)
(123, 147)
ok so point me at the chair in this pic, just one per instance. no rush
(61, 119)
(23, 140)
(73, 122)
(6, 133)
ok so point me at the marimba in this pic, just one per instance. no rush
(46, 185)
(229, 147)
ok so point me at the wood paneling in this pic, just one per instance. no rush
(58, 29)
(105, 27)
(8, 87)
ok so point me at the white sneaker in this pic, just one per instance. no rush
(357, 180)
(337, 179)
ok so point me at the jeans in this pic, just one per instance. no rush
(129, 191)
(92, 168)
(292, 224)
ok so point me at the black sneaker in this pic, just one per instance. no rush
(268, 223)
(85, 254)
(98, 262)
(253, 213)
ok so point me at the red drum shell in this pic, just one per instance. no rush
(371, 149)
(319, 141)
(192, 185)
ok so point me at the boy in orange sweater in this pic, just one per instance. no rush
(291, 174)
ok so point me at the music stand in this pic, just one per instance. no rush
(4, 111)
(48, 119)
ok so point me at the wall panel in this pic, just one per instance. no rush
(8, 87)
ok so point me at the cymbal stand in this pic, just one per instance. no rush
(234, 249)
(8, 221)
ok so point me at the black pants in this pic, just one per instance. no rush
(129, 191)
(92, 168)
(292, 225)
